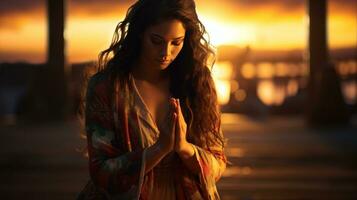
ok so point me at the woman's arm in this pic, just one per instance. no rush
(198, 160)
(111, 167)
(203, 161)
(186, 152)
(184, 149)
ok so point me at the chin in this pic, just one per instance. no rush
(163, 69)
(163, 66)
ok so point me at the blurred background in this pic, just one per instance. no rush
(286, 77)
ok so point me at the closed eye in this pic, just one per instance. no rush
(177, 43)
(156, 40)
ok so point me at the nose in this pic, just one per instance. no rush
(165, 51)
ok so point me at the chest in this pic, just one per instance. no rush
(156, 100)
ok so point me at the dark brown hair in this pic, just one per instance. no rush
(191, 79)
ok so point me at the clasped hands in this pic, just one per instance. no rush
(174, 136)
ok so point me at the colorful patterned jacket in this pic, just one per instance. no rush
(116, 152)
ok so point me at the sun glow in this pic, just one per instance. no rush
(222, 73)
(28, 40)
(23, 35)
(221, 33)
(87, 37)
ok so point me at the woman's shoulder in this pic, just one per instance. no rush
(98, 83)
(99, 79)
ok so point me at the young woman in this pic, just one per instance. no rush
(151, 114)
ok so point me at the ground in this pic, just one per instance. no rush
(273, 158)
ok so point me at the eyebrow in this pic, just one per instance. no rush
(156, 35)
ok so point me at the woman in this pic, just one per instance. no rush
(151, 115)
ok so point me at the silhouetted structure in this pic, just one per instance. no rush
(325, 102)
(56, 86)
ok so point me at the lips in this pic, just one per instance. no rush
(163, 61)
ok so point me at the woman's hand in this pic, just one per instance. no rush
(175, 139)
(166, 140)
(182, 147)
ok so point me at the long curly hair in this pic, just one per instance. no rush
(191, 79)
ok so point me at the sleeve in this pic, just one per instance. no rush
(111, 168)
(212, 162)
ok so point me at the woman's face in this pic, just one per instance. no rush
(162, 43)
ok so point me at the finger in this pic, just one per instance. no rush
(173, 104)
(178, 105)
(172, 108)
(179, 111)
(174, 122)
(177, 130)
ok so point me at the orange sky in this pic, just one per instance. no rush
(269, 24)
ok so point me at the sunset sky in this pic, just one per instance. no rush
(261, 24)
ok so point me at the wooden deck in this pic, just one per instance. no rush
(276, 158)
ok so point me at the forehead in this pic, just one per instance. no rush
(168, 29)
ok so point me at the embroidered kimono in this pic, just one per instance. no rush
(119, 129)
